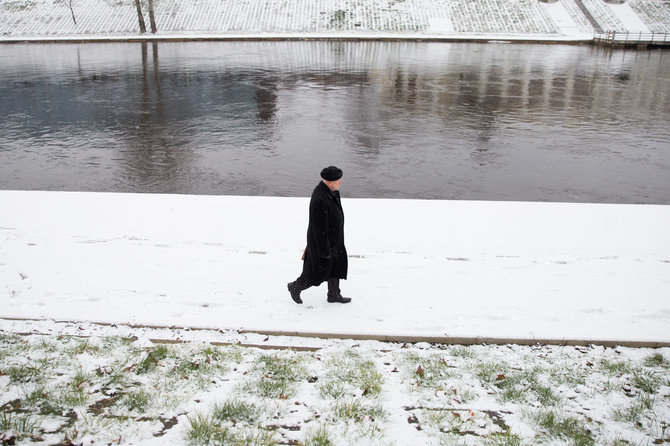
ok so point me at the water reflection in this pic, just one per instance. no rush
(455, 121)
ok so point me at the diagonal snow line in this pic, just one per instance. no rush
(407, 339)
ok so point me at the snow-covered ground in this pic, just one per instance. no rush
(417, 268)
(455, 19)
(108, 390)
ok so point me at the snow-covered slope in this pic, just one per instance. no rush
(511, 19)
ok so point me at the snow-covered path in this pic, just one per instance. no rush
(422, 268)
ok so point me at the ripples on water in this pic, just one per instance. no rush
(411, 120)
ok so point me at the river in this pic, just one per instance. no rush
(402, 119)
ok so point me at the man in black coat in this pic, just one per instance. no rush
(325, 257)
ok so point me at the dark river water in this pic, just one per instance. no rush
(403, 120)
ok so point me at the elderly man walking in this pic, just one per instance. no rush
(325, 257)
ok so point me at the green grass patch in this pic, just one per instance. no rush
(70, 398)
(319, 436)
(110, 343)
(490, 372)
(21, 424)
(277, 376)
(461, 351)
(205, 430)
(350, 373)
(114, 378)
(657, 360)
(202, 429)
(449, 421)
(279, 388)
(512, 394)
(546, 395)
(137, 400)
(279, 367)
(46, 345)
(10, 339)
(258, 437)
(635, 411)
(428, 371)
(645, 382)
(358, 411)
(160, 352)
(86, 346)
(503, 439)
(333, 389)
(37, 397)
(202, 363)
(235, 410)
(22, 374)
(81, 379)
(567, 376)
(514, 386)
(554, 425)
(148, 364)
(615, 367)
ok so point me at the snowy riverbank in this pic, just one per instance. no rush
(419, 268)
(534, 21)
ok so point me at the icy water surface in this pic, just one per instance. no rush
(404, 120)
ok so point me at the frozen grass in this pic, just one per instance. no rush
(554, 425)
(351, 373)
(60, 389)
(277, 376)
(318, 436)
(23, 426)
(504, 439)
(232, 422)
(657, 360)
(204, 429)
(236, 410)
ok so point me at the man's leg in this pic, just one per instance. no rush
(334, 291)
(295, 288)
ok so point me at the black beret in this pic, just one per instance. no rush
(331, 173)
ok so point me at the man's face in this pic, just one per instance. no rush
(333, 185)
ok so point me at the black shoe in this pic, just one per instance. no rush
(295, 292)
(339, 299)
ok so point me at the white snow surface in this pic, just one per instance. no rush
(417, 267)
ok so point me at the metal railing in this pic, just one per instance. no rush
(630, 38)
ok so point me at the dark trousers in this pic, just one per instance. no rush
(333, 286)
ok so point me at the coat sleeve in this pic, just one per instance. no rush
(319, 215)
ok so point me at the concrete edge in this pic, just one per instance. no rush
(466, 340)
(406, 339)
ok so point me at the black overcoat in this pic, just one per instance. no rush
(325, 256)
